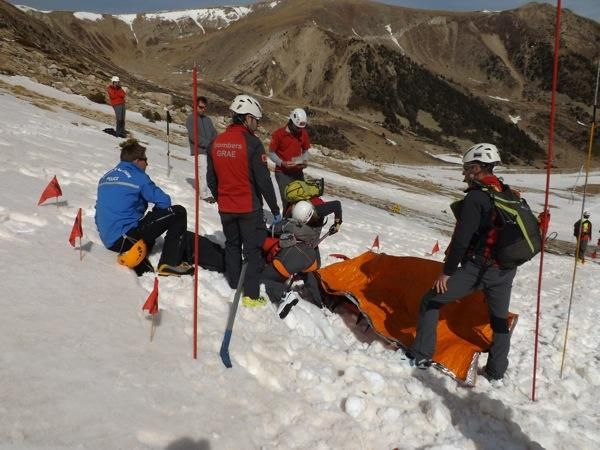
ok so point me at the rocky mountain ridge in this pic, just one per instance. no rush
(353, 63)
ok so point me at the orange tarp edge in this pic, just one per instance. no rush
(388, 289)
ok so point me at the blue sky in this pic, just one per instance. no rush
(588, 8)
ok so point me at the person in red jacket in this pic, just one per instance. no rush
(289, 151)
(117, 100)
(238, 178)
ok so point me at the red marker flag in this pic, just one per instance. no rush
(52, 190)
(436, 248)
(151, 304)
(375, 243)
(77, 231)
(594, 254)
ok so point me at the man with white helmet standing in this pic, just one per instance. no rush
(472, 247)
(582, 230)
(289, 151)
(238, 178)
(117, 99)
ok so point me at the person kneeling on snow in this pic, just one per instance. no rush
(293, 252)
(123, 196)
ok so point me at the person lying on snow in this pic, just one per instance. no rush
(123, 196)
(292, 253)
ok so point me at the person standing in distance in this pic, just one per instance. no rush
(238, 178)
(582, 230)
(289, 151)
(206, 134)
(473, 247)
(117, 95)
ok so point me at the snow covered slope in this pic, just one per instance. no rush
(77, 369)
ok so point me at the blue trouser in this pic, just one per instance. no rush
(496, 285)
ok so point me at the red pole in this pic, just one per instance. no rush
(196, 225)
(548, 171)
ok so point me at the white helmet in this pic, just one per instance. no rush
(303, 211)
(298, 117)
(586, 214)
(483, 153)
(115, 79)
(244, 104)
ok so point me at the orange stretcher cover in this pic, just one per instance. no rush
(388, 290)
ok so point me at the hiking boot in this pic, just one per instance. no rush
(286, 304)
(418, 362)
(494, 382)
(184, 268)
(423, 363)
(258, 302)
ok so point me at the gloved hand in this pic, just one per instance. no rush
(335, 227)
(277, 218)
(544, 221)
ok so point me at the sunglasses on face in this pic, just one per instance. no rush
(469, 166)
(201, 106)
(143, 159)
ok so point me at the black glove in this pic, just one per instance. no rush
(335, 227)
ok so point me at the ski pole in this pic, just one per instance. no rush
(168, 145)
(232, 312)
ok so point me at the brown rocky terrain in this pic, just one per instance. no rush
(381, 82)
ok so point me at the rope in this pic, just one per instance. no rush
(546, 212)
(196, 226)
(584, 195)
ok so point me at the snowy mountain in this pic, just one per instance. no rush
(369, 71)
(78, 369)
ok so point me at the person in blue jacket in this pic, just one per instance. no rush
(123, 196)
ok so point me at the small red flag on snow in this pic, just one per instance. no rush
(594, 254)
(375, 243)
(77, 231)
(52, 190)
(151, 304)
(436, 248)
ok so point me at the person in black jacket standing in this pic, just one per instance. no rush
(238, 178)
(472, 246)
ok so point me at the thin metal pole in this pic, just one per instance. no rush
(578, 245)
(548, 172)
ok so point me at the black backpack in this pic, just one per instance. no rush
(519, 238)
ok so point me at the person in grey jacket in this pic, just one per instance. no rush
(206, 134)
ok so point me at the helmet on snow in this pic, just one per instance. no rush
(303, 211)
(298, 117)
(482, 153)
(586, 214)
(134, 256)
(244, 104)
(115, 79)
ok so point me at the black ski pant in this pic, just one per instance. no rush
(120, 119)
(173, 220)
(244, 231)
(276, 284)
(582, 248)
(283, 179)
(496, 285)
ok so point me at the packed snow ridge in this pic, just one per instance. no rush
(26, 8)
(88, 16)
